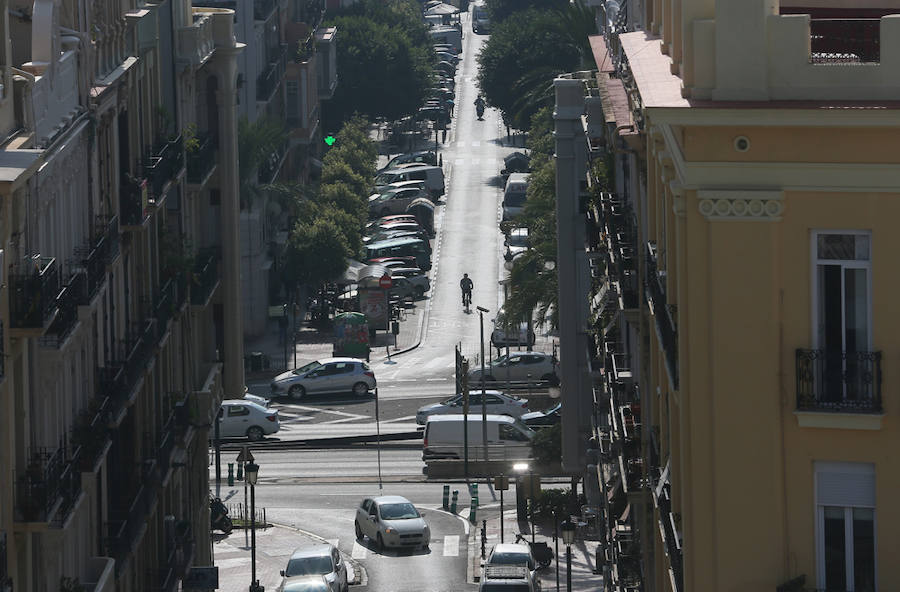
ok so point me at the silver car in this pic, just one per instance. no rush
(518, 366)
(497, 403)
(331, 375)
(316, 560)
(391, 521)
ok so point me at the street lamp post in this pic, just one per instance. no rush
(481, 310)
(522, 469)
(568, 535)
(252, 473)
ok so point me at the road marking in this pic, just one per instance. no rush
(405, 418)
(321, 410)
(476, 143)
(451, 545)
(346, 419)
(333, 542)
(359, 552)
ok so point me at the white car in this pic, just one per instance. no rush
(497, 404)
(516, 242)
(391, 521)
(518, 366)
(316, 560)
(514, 554)
(393, 201)
(239, 418)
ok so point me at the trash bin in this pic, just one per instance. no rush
(256, 361)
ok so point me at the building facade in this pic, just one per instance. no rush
(119, 299)
(738, 200)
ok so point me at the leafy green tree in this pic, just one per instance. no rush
(336, 170)
(384, 73)
(500, 10)
(402, 15)
(546, 447)
(316, 252)
(526, 49)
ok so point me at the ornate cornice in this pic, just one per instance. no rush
(765, 206)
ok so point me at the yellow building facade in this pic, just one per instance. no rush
(754, 145)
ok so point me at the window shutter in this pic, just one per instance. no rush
(845, 484)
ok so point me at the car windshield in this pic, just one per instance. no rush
(402, 511)
(517, 240)
(307, 367)
(451, 400)
(309, 566)
(514, 199)
(511, 559)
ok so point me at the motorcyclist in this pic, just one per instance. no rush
(466, 285)
(479, 106)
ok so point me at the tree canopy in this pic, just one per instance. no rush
(500, 10)
(517, 64)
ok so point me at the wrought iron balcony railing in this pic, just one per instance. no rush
(91, 434)
(69, 487)
(845, 41)
(38, 487)
(655, 287)
(667, 528)
(33, 288)
(619, 227)
(309, 12)
(67, 301)
(171, 296)
(270, 78)
(201, 160)
(268, 170)
(205, 277)
(133, 201)
(838, 381)
(119, 379)
(127, 524)
(162, 166)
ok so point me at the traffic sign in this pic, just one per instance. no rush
(385, 282)
(501, 483)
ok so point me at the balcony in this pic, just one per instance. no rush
(92, 436)
(33, 288)
(67, 301)
(126, 526)
(309, 12)
(69, 488)
(845, 41)
(206, 277)
(202, 161)
(268, 170)
(119, 380)
(133, 202)
(96, 255)
(668, 531)
(172, 296)
(38, 489)
(838, 381)
(195, 42)
(619, 227)
(262, 9)
(162, 166)
(666, 331)
(270, 78)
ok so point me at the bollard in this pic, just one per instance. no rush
(483, 538)
(240, 473)
(446, 502)
(230, 474)
(473, 489)
(453, 503)
(473, 508)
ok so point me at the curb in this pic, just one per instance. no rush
(357, 568)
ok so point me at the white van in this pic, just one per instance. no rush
(508, 438)
(448, 35)
(514, 195)
(433, 176)
(481, 23)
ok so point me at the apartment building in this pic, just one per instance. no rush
(737, 198)
(287, 67)
(119, 289)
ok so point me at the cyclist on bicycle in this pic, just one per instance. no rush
(466, 285)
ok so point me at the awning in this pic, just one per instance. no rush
(352, 272)
(442, 9)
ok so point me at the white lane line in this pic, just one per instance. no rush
(459, 160)
(346, 419)
(476, 143)
(451, 545)
(331, 411)
(405, 418)
(359, 552)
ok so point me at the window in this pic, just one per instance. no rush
(237, 410)
(292, 92)
(845, 526)
(842, 309)
(509, 432)
(492, 400)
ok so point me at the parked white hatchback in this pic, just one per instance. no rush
(497, 404)
(391, 521)
(239, 418)
(317, 560)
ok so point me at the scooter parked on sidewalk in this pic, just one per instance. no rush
(218, 516)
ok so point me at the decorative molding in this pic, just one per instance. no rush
(839, 421)
(678, 199)
(766, 206)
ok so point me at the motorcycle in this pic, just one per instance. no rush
(218, 516)
(479, 109)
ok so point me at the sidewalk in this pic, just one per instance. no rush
(583, 551)
(274, 546)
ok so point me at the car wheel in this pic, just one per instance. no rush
(380, 542)
(360, 389)
(255, 433)
(359, 534)
(551, 379)
(296, 392)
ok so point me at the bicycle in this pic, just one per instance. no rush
(467, 300)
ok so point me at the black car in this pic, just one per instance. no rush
(543, 419)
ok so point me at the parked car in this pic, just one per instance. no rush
(543, 419)
(446, 56)
(393, 261)
(516, 162)
(401, 247)
(317, 560)
(259, 400)
(393, 201)
(386, 233)
(390, 219)
(518, 366)
(330, 375)
(407, 272)
(391, 521)
(306, 584)
(497, 404)
(445, 67)
(514, 554)
(239, 418)
(424, 156)
(445, 437)
(514, 195)
(481, 22)
(432, 175)
(412, 287)
(516, 242)
(506, 578)
(510, 334)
